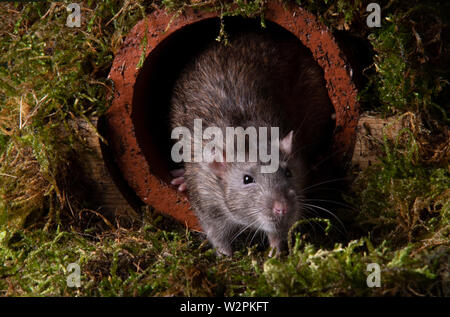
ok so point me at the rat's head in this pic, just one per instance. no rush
(266, 201)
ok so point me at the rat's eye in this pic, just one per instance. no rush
(248, 179)
(287, 172)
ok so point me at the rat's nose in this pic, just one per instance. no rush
(280, 207)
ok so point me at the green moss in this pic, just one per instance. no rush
(227, 8)
(53, 74)
(155, 262)
(243, 8)
(343, 271)
(410, 59)
(402, 197)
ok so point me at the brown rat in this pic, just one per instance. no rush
(257, 80)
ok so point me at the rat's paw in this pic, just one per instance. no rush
(178, 180)
(224, 251)
(277, 245)
(222, 248)
(274, 252)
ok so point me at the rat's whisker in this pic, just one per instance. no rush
(323, 161)
(329, 212)
(332, 202)
(245, 228)
(312, 223)
(256, 231)
(324, 182)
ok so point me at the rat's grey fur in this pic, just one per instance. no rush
(254, 81)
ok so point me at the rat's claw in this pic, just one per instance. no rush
(180, 181)
(182, 187)
(224, 251)
(274, 252)
(177, 181)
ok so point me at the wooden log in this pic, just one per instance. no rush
(103, 191)
(370, 134)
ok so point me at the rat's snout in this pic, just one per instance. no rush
(280, 207)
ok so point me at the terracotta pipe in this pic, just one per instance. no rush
(136, 152)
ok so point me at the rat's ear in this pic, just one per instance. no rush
(286, 143)
(218, 165)
(218, 168)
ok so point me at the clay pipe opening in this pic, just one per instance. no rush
(137, 122)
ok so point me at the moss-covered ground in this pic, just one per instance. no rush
(400, 206)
